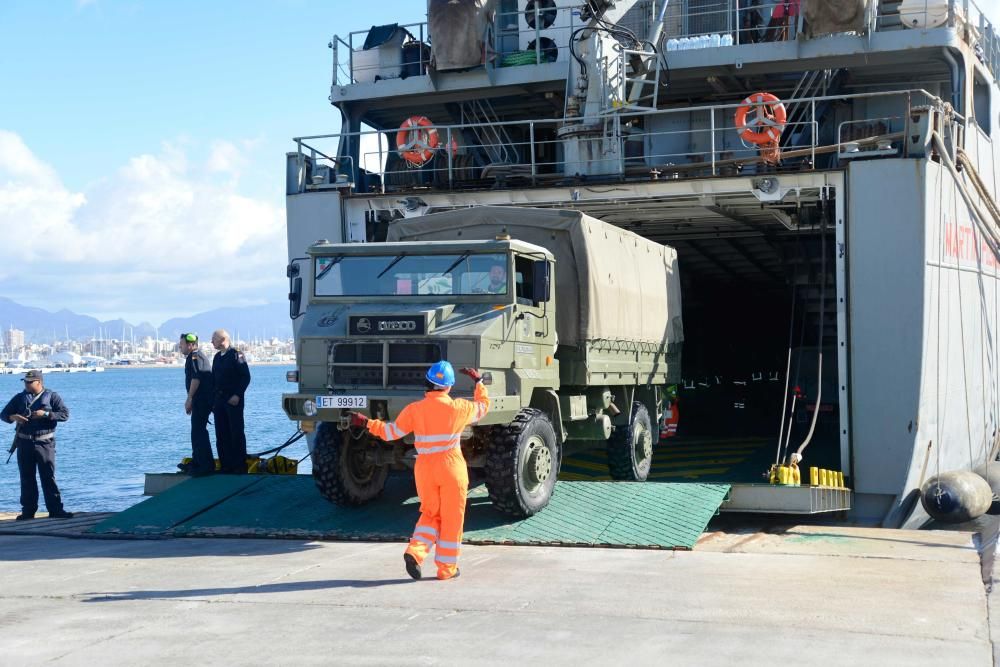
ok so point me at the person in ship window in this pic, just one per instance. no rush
(751, 21)
(784, 15)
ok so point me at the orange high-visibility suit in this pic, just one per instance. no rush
(437, 422)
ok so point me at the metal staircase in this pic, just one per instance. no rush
(814, 83)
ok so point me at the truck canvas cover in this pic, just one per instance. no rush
(610, 284)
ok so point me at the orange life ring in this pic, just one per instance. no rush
(417, 140)
(767, 122)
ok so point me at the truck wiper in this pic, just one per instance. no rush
(326, 269)
(456, 263)
(393, 263)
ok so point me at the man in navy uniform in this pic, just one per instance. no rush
(200, 387)
(232, 377)
(35, 413)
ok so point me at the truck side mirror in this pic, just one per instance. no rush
(294, 290)
(541, 284)
(295, 298)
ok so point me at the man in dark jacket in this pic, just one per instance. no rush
(200, 386)
(232, 377)
(35, 413)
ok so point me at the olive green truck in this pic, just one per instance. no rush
(576, 322)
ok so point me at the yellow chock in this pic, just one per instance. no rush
(813, 476)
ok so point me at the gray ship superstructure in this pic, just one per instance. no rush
(839, 279)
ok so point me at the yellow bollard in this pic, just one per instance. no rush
(796, 476)
(773, 474)
(783, 474)
(840, 480)
(824, 477)
(813, 476)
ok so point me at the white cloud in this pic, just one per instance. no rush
(166, 235)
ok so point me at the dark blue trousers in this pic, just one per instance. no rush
(40, 458)
(230, 437)
(202, 462)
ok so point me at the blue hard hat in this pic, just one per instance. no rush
(441, 374)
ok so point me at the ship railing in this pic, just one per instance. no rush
(543, 34)
(967, 16)
(668, 143)
(517, 38)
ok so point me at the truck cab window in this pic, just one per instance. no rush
(523, 277)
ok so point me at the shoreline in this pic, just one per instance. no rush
(125, 367)
(116, 367)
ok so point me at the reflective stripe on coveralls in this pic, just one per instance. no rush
(437, 422)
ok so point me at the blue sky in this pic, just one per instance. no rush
(142, 145)
(130, 128)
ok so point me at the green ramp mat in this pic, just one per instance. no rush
(157, 515)
(614, 514)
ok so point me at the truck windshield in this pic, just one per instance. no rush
(405, 274)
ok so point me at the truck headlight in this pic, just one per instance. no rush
(309, 407)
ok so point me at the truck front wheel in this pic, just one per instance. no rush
(343, 469)
(522, 462)
(630, 448)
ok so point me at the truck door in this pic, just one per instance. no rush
(535, 328)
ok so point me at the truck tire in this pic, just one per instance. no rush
(341, 470)
(522, 462)
(630, 448)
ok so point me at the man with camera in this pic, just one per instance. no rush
(35, 413)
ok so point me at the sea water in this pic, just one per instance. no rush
(127, 422)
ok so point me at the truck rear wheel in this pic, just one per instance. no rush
(630, 449)
(522, 462)
(343, 469)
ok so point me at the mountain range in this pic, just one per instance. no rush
(42, 326)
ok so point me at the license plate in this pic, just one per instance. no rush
(342, 401)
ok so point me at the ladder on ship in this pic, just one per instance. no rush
(813, 83)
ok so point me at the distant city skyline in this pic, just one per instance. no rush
(43, 326)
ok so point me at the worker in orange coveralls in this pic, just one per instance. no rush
(437, 422)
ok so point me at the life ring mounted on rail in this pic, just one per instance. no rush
(766, 124)
(417, 140)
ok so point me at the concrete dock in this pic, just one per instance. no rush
(813, 595)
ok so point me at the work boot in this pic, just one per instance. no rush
(412, 566)
(24, 517)
(61, 514)
(457, 574)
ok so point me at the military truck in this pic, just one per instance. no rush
(576, 322)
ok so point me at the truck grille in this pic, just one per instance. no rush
(388, 364)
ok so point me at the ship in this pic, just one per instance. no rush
(826, 172)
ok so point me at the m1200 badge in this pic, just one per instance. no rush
(388, 325)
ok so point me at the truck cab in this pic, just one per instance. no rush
(379, 315)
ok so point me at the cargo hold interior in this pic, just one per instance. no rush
(752, 286)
